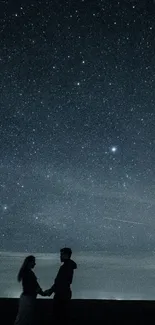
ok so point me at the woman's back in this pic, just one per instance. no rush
(26, 311)
(29, 283)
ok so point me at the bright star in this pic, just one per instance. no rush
(113, 149)
(5, 207)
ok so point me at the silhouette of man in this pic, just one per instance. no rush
(62, 287)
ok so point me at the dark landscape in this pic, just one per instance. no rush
(87, 311)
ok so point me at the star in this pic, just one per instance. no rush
(5, 207)
(113, 149)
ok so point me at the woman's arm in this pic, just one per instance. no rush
(40, 291)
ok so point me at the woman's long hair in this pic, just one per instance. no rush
(25, 266)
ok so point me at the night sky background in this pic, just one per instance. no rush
(77, 125)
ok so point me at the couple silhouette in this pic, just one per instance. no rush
(31, 288)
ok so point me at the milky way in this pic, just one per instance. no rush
(77, 125)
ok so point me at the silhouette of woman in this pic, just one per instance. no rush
(26, 311)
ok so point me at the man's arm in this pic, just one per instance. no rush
(53, 288)
(49, 292)
(40, 291)
(70, 276)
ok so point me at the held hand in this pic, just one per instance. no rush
(47, 293)
(40, 292)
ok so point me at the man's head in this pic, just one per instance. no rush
(65, 254)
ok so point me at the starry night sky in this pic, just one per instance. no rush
(77, 125)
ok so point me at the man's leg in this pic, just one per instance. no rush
(56, 310)
(61, 310)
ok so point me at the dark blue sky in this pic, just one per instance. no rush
(77, 118)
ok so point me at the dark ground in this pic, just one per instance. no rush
(88, 312)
